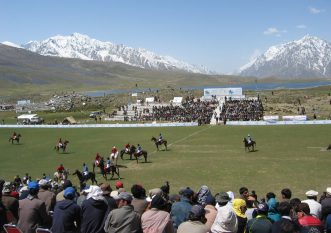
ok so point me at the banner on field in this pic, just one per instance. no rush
(271, 118)
(295, 118)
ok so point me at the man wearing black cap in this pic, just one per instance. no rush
(260, 224)
(180, 210)
(32, 211)
(124, 219)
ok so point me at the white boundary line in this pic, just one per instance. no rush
(183, 139)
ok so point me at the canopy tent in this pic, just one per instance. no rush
(69, 121)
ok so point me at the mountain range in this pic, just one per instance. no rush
(309, 57)
(83, 47)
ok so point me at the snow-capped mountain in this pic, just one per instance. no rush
(83, 47)
(11, 44)
(309, 57)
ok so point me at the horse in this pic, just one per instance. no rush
(159, 143)
(63, 147)
(83, 178)
(61, 176)
(13, 138)
(128, 152)
(249, 145)
(141, 153)
(113, 169)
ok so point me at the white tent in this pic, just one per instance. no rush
(27, 117)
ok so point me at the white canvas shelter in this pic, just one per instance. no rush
(27, 117)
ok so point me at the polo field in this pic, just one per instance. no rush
(292, 156)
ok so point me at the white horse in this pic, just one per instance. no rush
(61, 176)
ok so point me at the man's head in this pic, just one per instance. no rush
(303, 209)
(119, 184)
(69, 193)
(312, 194)
(243, 191)
(222, 198)
(262, 209)
(106, 189)
(197, 213)
(284, 208)
(188, 193)
(123, 199)
(286, 193)
(138, 191)
(33, 188)
(43, 184)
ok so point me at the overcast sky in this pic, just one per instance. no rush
(223, 35)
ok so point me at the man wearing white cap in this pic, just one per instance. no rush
(314, 206)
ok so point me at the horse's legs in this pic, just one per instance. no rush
(145, 156)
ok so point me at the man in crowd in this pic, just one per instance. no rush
(308, 223)
(226, 219)
(94, 209)
(32, 211)
(8, 201)
(260, 224)
(314, 206)
(196, 221)
(46, 196)
(286, 194)
(67, 214)
(157, 219)
(124, 219)
(180, 210)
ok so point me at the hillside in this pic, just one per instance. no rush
(22, 71)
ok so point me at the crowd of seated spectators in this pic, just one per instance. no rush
(242, 110)
(189, 111)
(63, 208)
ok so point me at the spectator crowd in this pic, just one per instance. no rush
(242, 110)
(100, 209)
(189, 111)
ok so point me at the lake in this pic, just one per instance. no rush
(245, 87)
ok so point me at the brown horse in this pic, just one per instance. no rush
(159, 143)
(63, 146)
(15, 138)
(141, 153)
(249, 145)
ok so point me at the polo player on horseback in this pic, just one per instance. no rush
(60, 169)
(97, 159)
(160, 140)
(14, 135)
(85, 169)
(60, 143)
(249, 139)
(139, 149)
(127, 147)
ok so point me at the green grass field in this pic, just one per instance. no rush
(286, 156)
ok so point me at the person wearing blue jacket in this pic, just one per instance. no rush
(67, 214)
(273, 213)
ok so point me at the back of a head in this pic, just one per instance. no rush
(304, 207)
(159, 202)
(138, 191)
(284, 208)
(270, 195)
